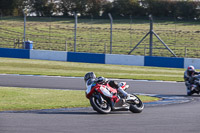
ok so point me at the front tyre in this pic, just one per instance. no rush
(137, 108)
(189, 93)
(102, 108)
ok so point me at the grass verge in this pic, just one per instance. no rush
(57, 68)
(12, 98)
(31, 99)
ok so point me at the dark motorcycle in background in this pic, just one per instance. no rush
(104, 99)
(194, 85)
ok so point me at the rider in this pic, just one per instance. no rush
(188, 77)
(90, 78)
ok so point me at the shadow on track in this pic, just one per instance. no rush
(85, 111)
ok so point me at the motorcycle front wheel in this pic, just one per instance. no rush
(102, 108)
(136, 108)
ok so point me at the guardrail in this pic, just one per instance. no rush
(117, 59)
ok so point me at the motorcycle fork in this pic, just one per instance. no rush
(110, 102)
(98, 96)
(101, 98)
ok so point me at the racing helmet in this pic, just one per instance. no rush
(89, 75)
(190, 70)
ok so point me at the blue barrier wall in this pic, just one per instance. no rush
(86, 57)
(14, 53)
(164, 62)
(101, 58)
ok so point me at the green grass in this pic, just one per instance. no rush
(57, 68)
(94, 35)
(12, 98)
(29, 99)
(33, 99)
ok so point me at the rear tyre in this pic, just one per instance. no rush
(137, 108)
(102, 108)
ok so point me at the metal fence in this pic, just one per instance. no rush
(117, 36)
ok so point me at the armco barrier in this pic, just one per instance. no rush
(100, 58)
(48, 55)
(192, 61)
(124, 59)
(14, 53)
(164, 62)
(86, 57)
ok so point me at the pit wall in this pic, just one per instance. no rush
(170, 62)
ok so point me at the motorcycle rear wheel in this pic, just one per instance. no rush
(137, 108)
(103, 108)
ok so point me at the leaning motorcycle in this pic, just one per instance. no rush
(195, 85)
(104, 99)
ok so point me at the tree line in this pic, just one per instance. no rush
(188, 9)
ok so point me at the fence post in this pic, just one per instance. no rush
(111, 22)
(75, 30)
(25, 13)
(66, 45)
(151, 36)
(91, 34)
(185, 51)
(131, 39)
(50, 34)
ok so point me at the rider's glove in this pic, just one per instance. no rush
(120, 84)
(101, 80)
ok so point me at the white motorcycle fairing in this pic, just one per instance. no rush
(89, 87)
(105, 91)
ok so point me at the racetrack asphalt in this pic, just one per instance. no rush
(168, 118)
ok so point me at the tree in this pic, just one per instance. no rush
(158, 8)
(71, 6)
(42, 7)
(187, 9)
(127, 8)
(7, 6)
(94, 7)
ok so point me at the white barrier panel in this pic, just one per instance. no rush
(48, 55)
(192, 61)
(124, 59)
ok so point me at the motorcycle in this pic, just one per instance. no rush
(104, 99)
(195, 85)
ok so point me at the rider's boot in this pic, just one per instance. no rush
(126, 95)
